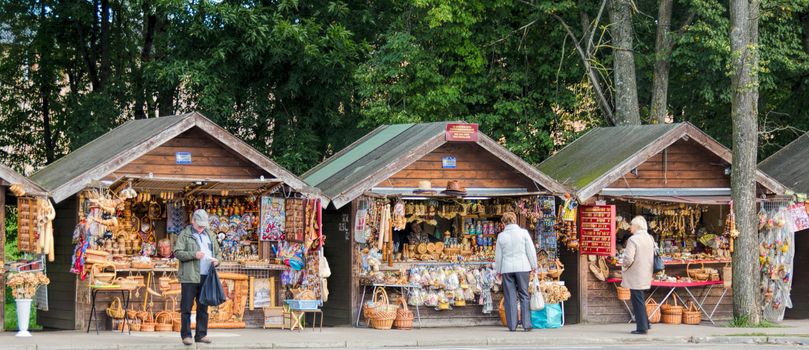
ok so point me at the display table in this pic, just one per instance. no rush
(125, 300)
(672, 290)
(405, 289)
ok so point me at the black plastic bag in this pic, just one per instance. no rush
(212, 293)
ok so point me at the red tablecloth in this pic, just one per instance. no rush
(673, 284)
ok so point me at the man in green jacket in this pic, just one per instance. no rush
(197, 250)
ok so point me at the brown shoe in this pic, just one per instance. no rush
(204, 340)
(188, 341)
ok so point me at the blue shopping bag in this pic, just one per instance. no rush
(549, 317)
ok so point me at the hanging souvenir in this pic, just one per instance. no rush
(272, 219)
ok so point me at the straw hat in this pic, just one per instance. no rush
(425, 187)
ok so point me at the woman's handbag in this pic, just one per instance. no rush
(212, 293)
(537, 300)
(659, 265)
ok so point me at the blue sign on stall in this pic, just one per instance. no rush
(448, 162)
(182, 157)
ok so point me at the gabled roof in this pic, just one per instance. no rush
(12, 177)
(111, 151)
(390, 148)
(603, 155)
(790, 165)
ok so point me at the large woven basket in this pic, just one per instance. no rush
(692, 315)
(555, 269)
(383, 315)
(654, 315)
(404, 317)
(673, 314)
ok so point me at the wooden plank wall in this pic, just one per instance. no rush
(62, 290)
(603, 306)
(210, 160)
(687, 165)
(476, 168)
(800, 278)
(337, 228)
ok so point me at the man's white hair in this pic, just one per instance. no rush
(640, 223)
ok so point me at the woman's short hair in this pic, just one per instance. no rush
(640, 223)
(509, 218)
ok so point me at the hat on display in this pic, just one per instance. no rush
(425, 187)
(454, 189)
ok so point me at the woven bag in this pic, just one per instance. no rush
(652, 311)
(384, 314)
(115, 310)
(692, 315)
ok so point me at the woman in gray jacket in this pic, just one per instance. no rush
(515, 259)
(637, 265)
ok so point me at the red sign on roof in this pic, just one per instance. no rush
(462, 132)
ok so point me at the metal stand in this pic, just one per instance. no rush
(124, 296)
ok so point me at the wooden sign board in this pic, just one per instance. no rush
(462, 132)
(597, 230)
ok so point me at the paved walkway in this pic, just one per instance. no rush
(792, 332)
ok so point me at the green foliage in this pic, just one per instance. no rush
(744, 322)
(299, 80)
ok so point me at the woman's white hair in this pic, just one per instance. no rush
(640, 223)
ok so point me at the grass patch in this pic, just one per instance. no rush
(744, 322)
(759, 334)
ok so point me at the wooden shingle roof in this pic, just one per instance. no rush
(789, 165)
(11, 177)
(390, 148)
(102, 156)
(603, 155)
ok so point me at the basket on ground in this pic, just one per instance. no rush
(653, 311)
(404, 317)
(383, 315)
(673, 314)
(502, 310)
(692, 315)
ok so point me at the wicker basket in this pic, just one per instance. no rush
(692, 315)
(115, 310)
(652, 311)
(126, 283)
(623, 293)
(147, 327)
(404, 317)
(103, 273)
(163, 327)
(699, 274)
(383, 315)
(556, 269)
(175, 325)
(142, 265)
(673, 314)
(502, 310)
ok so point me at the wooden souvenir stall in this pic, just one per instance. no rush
(675, 176)
(789, 166)
(413, 201)
(124, 197)
(31, 202)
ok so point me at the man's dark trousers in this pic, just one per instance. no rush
(189, 293)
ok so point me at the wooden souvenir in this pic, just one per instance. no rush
(597, 230)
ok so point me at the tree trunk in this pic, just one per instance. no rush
(663, 47)
(744, 111)
(149, 19)
(624, 81)
(44, 72)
